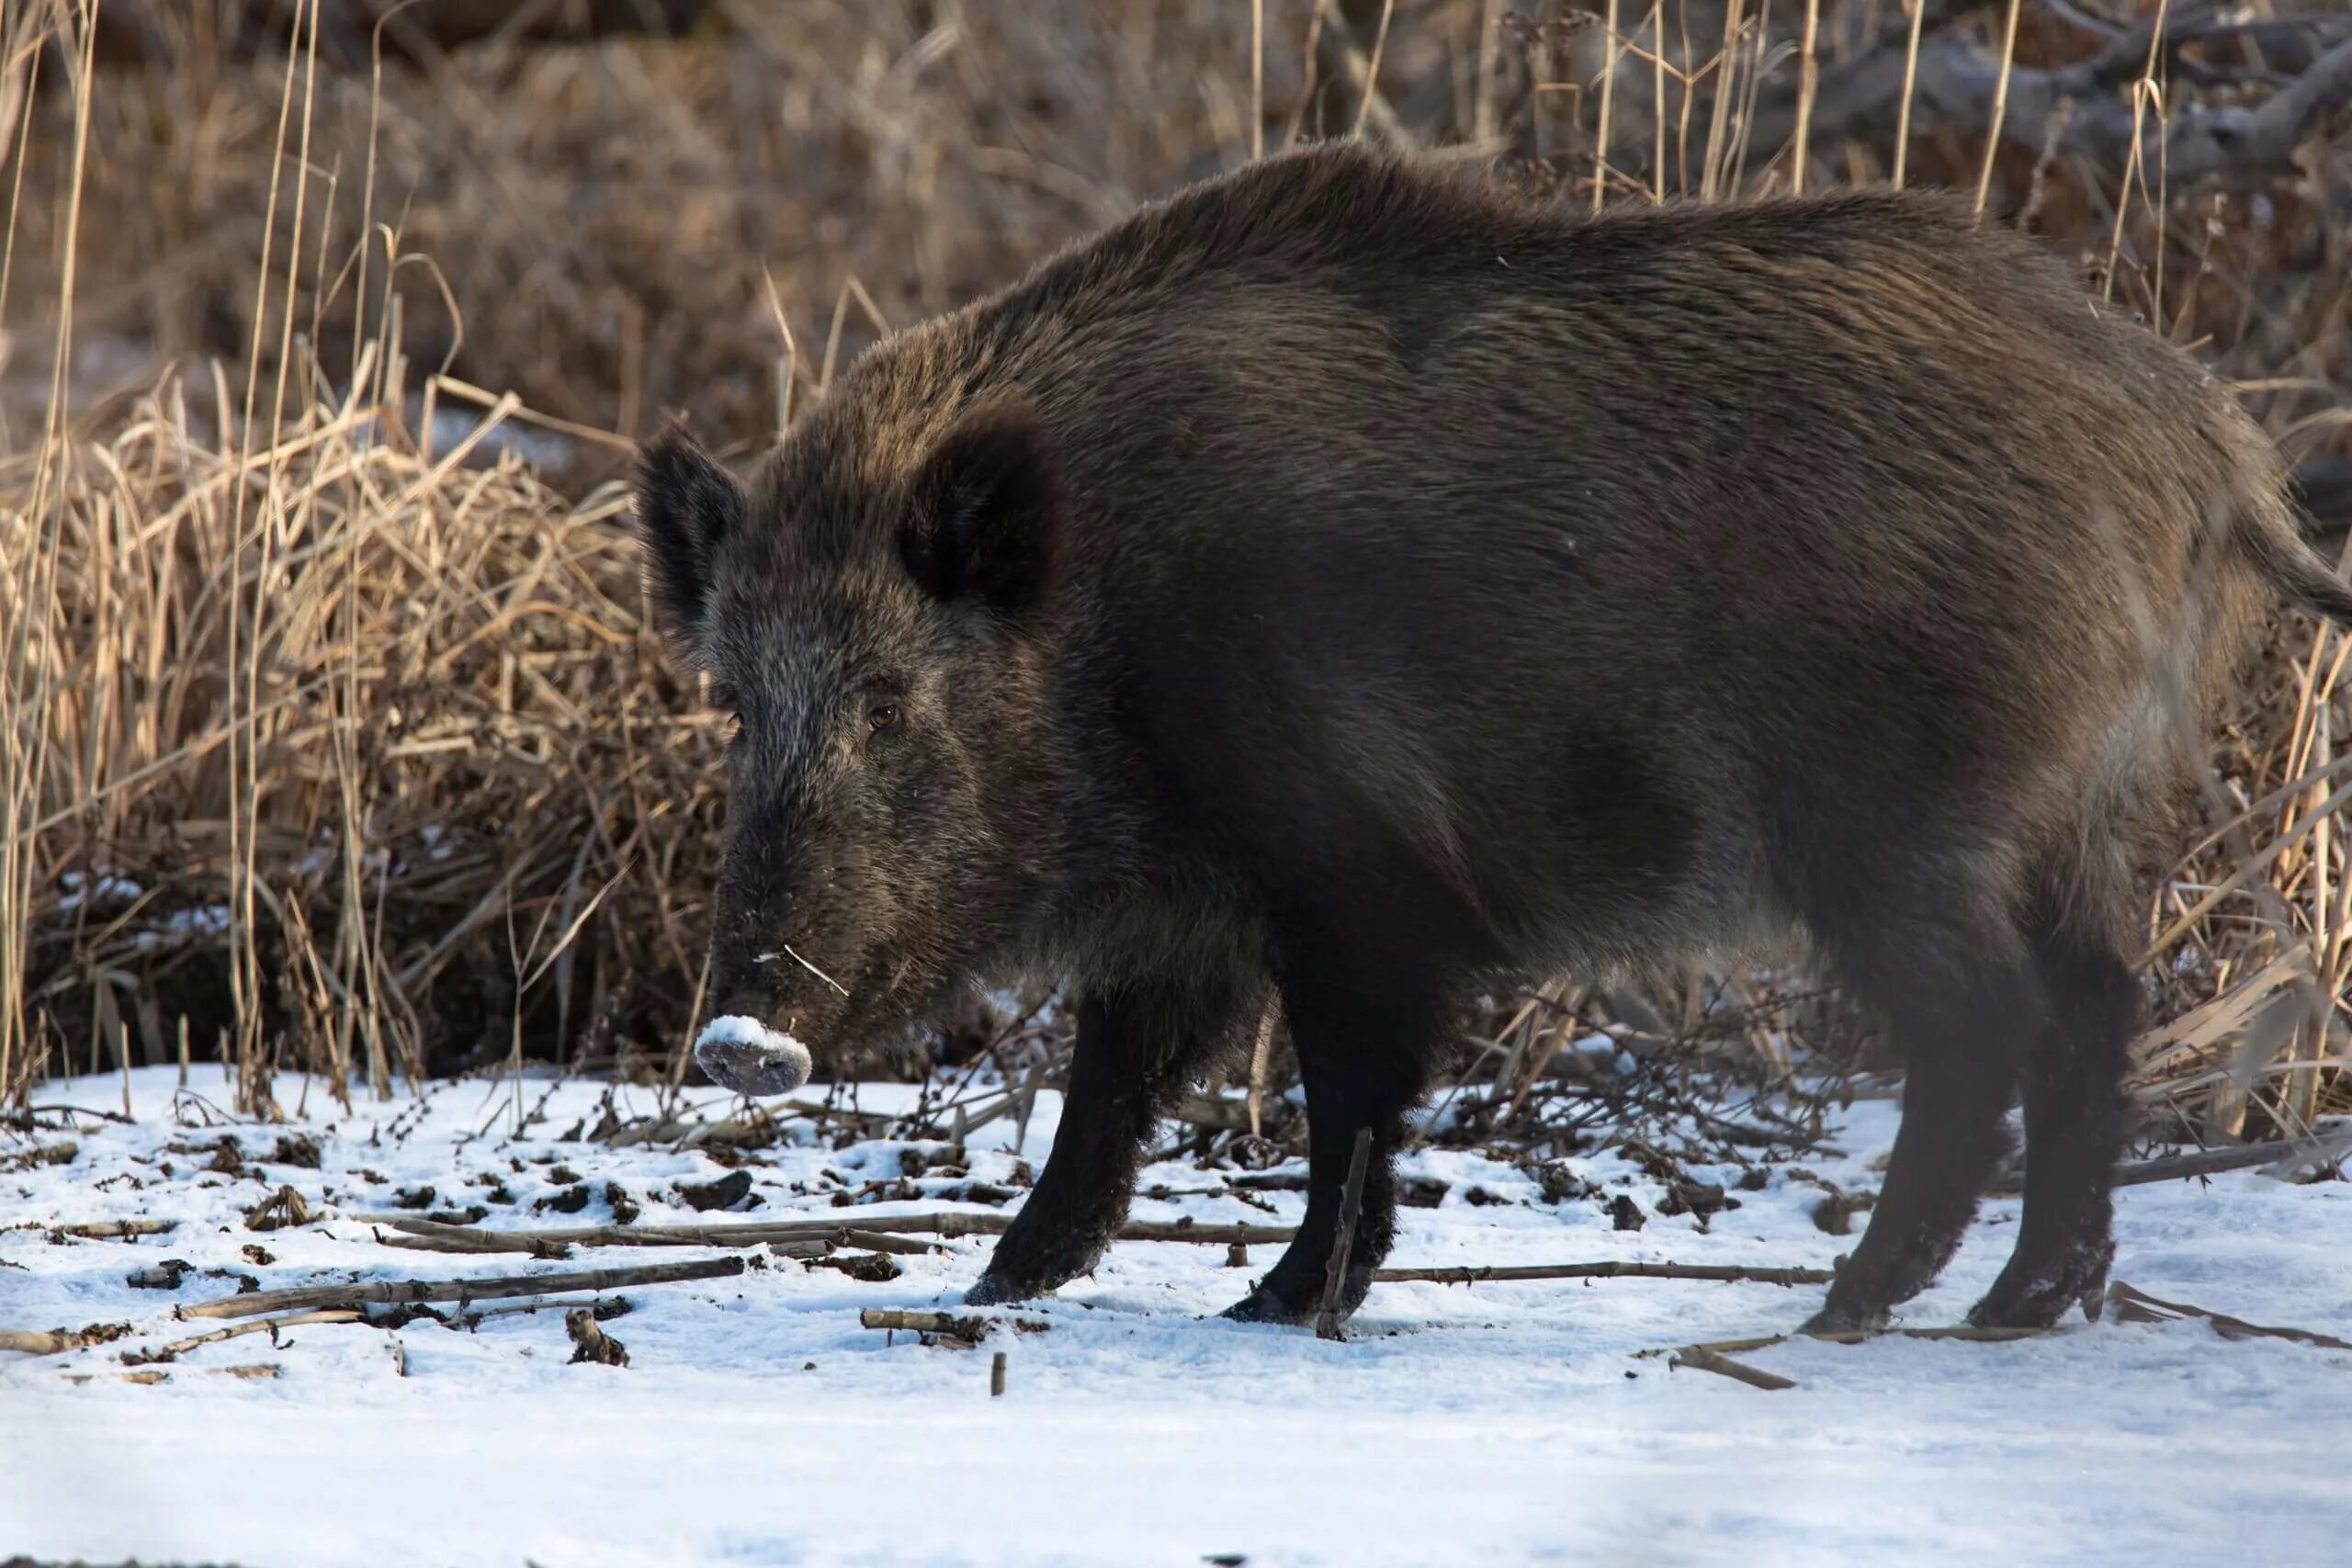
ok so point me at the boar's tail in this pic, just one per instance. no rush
(2271, 536)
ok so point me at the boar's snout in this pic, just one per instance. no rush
(741, 1051)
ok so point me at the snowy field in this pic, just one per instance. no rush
(757, 1423)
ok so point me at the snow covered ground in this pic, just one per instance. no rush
(757, 1423)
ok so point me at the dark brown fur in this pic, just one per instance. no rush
(1346, 576)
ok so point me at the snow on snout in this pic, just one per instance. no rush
(746, 1055)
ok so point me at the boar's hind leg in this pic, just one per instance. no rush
(1364, 1027)
(1963, 1034)
(1138, 1047)
(2073, 1126)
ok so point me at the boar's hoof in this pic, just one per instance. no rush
(2036, 1305)
(1020, 1269)
(1265, 1307)
(2036, 1298)
(1834, 1318)
(2038, 1309)
(995, 1289)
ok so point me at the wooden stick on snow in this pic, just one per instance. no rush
(252, 1304)
(1611, 1269)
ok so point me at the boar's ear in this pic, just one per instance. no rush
(686, 504)
(987, 512)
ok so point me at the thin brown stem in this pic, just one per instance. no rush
(2000, 107)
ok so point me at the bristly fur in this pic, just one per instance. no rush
(1359, 578)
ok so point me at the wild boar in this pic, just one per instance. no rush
(1351, 578)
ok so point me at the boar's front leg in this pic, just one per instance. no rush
(1138, 1047)
(1364, 1025)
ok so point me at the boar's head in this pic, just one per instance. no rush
(878, 614)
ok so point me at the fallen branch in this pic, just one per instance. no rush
(612, 1307)
(1703, 1360)
(2123, 1304)
(253, 1372)
(57, 1341)
(1967, 1332)
(1714, 1355)
(2210, 1162)
(467, 1239)
(480, 1241)
(2284, 1151)
(962, 1330)
(1215, 1235)
(112, 1230)
(440, 1236)
(266, 1325)
(1612, 1269)
(2126, 1305)
(882, 1241)
(30, 1121)
(254, 1302)
(918, 1322)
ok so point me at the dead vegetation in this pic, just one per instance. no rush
(334, 737)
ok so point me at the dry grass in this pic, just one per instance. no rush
(334, 737)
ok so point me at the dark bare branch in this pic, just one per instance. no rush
(1956, 82)
(2217, 140)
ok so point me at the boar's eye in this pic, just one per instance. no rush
(881, 717)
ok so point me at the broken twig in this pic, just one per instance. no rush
(1703, 1360)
